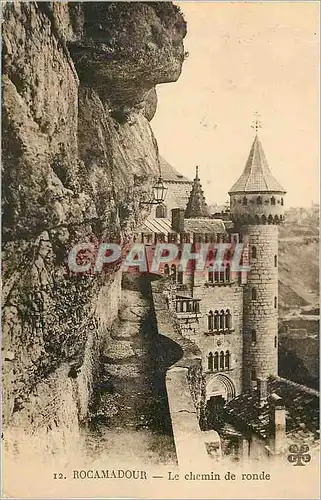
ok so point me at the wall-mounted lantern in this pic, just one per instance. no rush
(159, 192)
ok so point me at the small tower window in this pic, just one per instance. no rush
(253, 336)
(245, 200)
(272, 200)
(210, 362)
(275, 302)
(253, 252)
(180, 275)
(275, 341)
(253, 374)
(210, 274)
(254, 294)
(166, 270)
(281, 201)
(275, 261)
(259, 200)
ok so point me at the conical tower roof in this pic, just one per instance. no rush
(196, 206)
(256, 177)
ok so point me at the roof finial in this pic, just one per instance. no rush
(256, 124)
(196, 177)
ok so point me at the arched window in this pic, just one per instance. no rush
(259, 200)
(227, 360)
(210, 362)
(245, 200)
(216, 276)
(272, 200)
(275, 302)
(253, 374)
(216, 361)
(166, 270)
(210, 274)
(173, 272)
(210, 321)
(196, 306)
(228, 319)
(281, 201)
(180, 275)
(275, 341)
(222, 360)
(253, 336)
(222, 320)
(161, 212)
(253, 253)
(275, 261)
(254, 294)
(270, 219)
(216, 320)
(227, 272)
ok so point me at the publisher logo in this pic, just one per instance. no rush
(299, 454)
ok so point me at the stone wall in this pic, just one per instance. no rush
(261, 303)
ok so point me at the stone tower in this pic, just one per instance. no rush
(257, 207)
(196, 206)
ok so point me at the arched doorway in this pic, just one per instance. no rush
(219, 390)
(220, 385)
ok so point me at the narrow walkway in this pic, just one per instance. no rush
(131, 421)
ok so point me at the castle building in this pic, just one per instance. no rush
(232, 316)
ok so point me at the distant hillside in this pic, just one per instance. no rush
(299, 258)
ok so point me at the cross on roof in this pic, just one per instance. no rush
(256, 125)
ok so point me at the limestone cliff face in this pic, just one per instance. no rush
(78, 157)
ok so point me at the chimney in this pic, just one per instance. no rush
(262, 390)
(178, 220)
(278, 416)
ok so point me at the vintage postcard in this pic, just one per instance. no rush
(160, 249)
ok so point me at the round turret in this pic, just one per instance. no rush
(257, 207)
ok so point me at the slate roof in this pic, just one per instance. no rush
(301, 403)
(200, 225)
(204, 225)
(170, 174)
(256, 176)
(196, 205)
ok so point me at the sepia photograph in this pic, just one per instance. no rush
(160, 249)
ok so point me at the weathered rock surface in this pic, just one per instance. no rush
(78, 157)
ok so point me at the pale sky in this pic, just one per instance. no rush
(245, 57)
